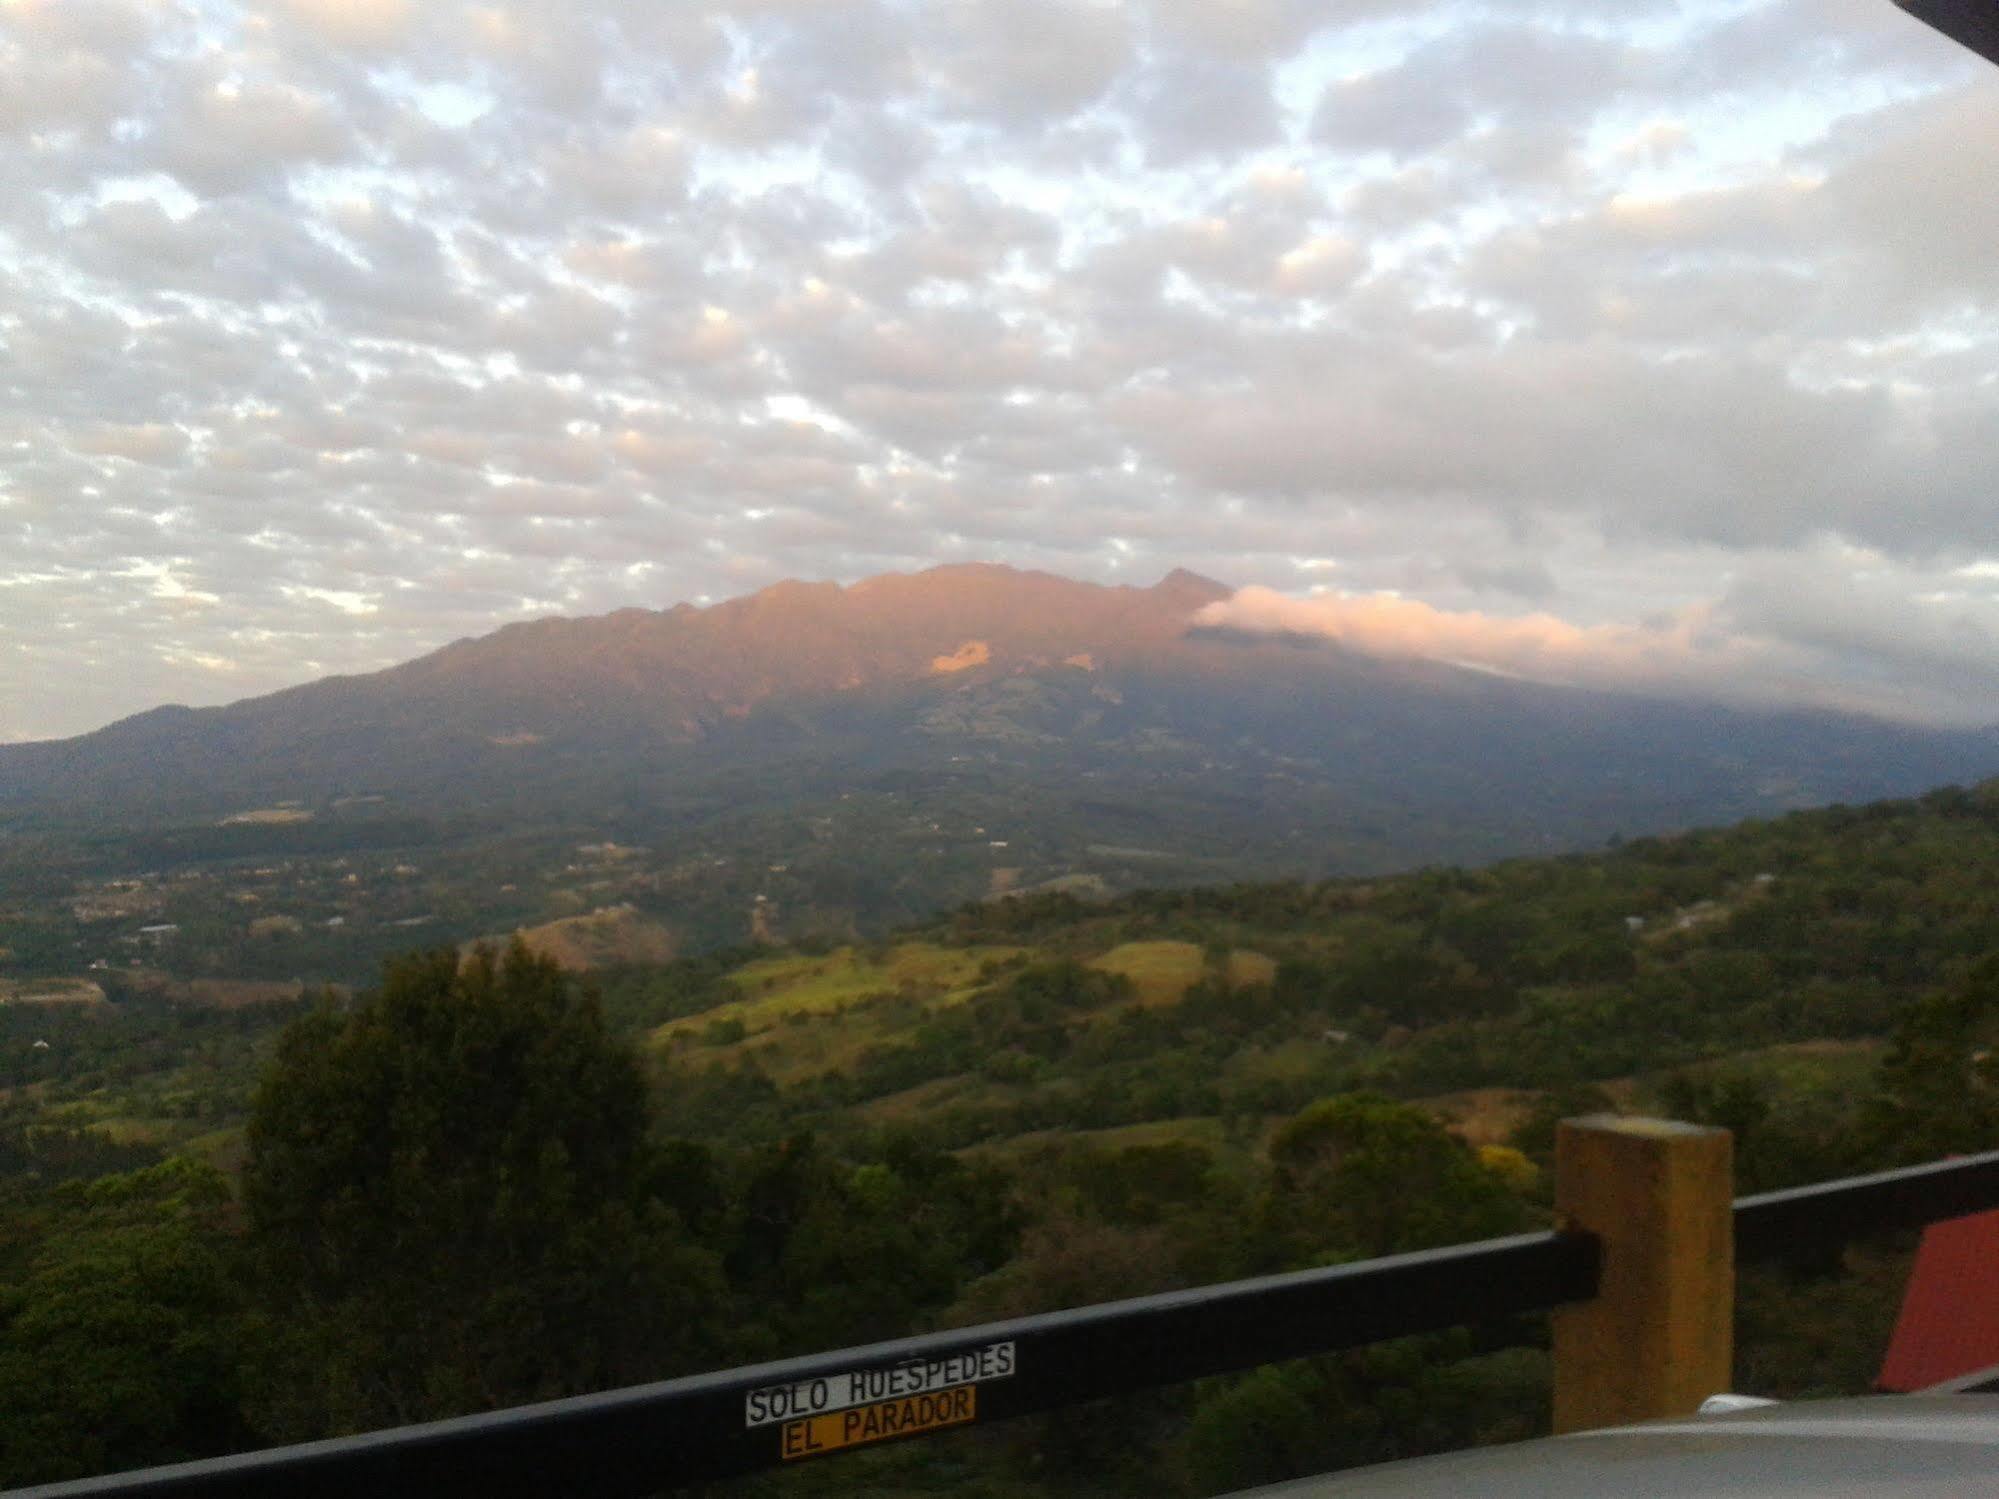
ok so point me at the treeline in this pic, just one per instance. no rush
(476, 1185)
(459, 1194)
(454, 1198)
(462, 1192)
(1657, 956)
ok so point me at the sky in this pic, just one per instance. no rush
(1647, 344)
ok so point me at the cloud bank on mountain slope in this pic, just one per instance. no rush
(332, 331)
(1779, 639)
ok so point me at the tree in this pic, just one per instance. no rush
(1938, 1087)
(446, 1190)
(825, 1252)
(119, 1347)
(1392, 1400)
(1360, 1176)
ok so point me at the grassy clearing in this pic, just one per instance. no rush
(1161, 972)
(1842, 1067)
(235, 994)
(804, 1015)
(774, 988)
(912, 1105)
(57, 991)
(615, 934)
(1286, 1061)
(1248, 969)
(1830, 1069)
(1484, 1116)
(126, 1129)
(1235, 1150)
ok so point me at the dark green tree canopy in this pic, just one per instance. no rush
(117, 1339)
(1360, 1175)
(446, 1185)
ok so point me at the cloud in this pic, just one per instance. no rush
(364, 25)
(1795, 633)
(1524, 578)
(1197, 106)
(465, 308)
(1537, 646)
(1476, 76)
(1023, 62)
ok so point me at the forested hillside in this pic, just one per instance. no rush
(814, 760)
(207, 1235)
(1812, 934)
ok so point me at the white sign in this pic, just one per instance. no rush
(838, 1392)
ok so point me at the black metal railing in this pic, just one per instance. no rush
(1774, 1225)
(639, 1441)
(644, 1440)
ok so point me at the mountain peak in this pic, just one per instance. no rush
(788, 595)
(1192, 587)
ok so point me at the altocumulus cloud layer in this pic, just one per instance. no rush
(1651, 342)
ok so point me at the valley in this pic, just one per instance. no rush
(1039, 1101)
(826, 763)
(1788, 949)
(1045, 1100)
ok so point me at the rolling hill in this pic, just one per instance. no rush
(1040, 1103)
(1784, 951)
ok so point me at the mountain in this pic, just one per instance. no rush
(623, 693)
(856, 755)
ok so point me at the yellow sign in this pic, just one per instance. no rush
(876, 1423)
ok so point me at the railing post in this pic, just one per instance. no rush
(1659, 1337)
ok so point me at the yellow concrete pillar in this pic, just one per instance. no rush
(1660, 1336)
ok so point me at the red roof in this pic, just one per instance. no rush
(1949, 1324)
